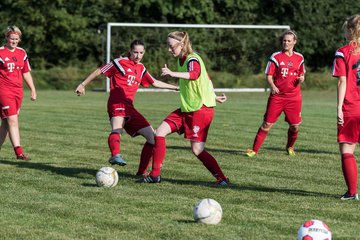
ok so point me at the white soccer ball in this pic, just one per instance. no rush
(207, 211)
(314, 230)
(107, 177)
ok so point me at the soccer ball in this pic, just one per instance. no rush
(314, 230)
(207, 211)
(107, 177)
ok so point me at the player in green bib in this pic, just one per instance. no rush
(196, 111)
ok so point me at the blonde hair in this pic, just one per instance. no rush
(183, 38)
(12, 30)
(352, 31)
(287, 32)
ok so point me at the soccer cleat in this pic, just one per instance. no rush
(222, 182)
(23, 157)
(291, 151)
(150, 179)
(250, 153)
(347, 196)
(117, 159)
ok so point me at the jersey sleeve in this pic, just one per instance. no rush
(339, 66)
(271, 65)
(26, 67)
(146, 79)
(113, 67)
(194, 68)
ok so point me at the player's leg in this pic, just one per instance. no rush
(350, 170)
(273, 110)
(147, 150)
(292, 113)
(3, 131)
(292, 137)
(117, 124)
(198, 148)
(172, 123)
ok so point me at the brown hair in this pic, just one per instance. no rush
(352, 30)
(183, 38)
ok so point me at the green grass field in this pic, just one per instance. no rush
(54, 195)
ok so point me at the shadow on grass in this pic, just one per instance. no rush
(301, 150)
(66, 171)
(77, 173)
(231, 151)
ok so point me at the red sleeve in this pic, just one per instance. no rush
(194, 69)
(147, 79)
(339, 66)
(26, 67)
(109, 69)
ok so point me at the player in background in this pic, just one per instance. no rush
(195, 115)
(14, 67)
(285, 71)
(126, 74)
(346, 69)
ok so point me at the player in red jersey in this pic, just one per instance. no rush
(126, 74)
(14, 66)
(347, 69)
(195, 115)
(284, 72)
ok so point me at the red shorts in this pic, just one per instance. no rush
(10, 105)
(134, 121)
(350, 131)
(194, 125)
(290, 106)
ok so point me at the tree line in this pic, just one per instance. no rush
(60, 33)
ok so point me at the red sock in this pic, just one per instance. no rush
(114, 143)
(211, 164)
(18, 150)
(259, 139)
(350, 172)
(145, 158)
(292, 136)
(159, 156)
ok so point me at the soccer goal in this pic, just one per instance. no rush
(231, 52)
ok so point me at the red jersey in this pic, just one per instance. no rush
(285, 70)
(348, 65)
(125, 77)
(12, 66)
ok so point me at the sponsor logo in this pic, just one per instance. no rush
(196, 130)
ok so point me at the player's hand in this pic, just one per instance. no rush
(301, 78)
(165, 71)
(221, 98)
(33, 96)
(80, 90)
(340, 117)
(274, 90)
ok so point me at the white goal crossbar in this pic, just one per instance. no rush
(165, 25)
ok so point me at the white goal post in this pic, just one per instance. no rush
(164, 25)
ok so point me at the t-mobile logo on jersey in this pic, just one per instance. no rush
(284, 71)
(11, 66)
(131, 80)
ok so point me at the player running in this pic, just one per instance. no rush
(195, 115)
(126, 74)
(284, 72)
(14, 66)
(347, 69)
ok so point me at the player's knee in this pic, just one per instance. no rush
(294, 128)
(266, 126)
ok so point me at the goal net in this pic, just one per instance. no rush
(232, 53)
